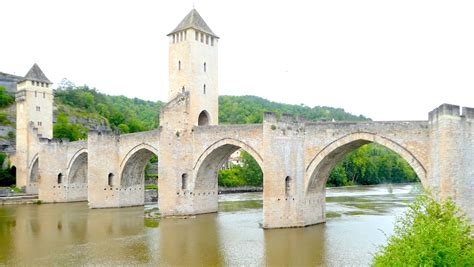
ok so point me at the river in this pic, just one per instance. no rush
(72, 234)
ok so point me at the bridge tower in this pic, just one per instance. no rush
(34, 109)
(193, 68)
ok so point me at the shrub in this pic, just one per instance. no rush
(429, 234)
(5, 98)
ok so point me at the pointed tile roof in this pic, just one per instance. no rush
(195, 21)
(36, 74)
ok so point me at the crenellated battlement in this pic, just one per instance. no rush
(451, 110)
(271, 117)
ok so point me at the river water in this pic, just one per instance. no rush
(72, 234)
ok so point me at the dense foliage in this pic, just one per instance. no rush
(250, 109)
(63, 129)
(7, 175)
(371, 164)
(246, 174)
(429, 234)
(5, 98)
(128, 115)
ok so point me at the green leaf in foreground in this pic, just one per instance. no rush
(429, 234)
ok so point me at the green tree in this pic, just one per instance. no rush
(5, 98)
(63, 129)
(429, 234)
(123, 128)
(250, 170)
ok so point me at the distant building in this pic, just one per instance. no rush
(9, 81)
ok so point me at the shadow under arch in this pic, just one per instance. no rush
(132, 167)
(207, 166)
(204, 184)
(77, 168)
(33, 170)
(321, 165)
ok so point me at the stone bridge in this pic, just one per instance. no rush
(296, 156)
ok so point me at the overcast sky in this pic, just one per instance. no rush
(388, 60)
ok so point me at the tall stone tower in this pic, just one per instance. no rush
(193, 68)
(34, 119)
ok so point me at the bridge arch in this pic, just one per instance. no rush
(77, 168)
(132, 167)
(318, 170)
(207, 165)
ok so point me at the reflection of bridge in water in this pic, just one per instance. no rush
(296, 156)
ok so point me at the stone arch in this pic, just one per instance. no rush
(318, 170)
(204, 118)
(33, 173)
(77, 168)
(207, 165)
(134, 163)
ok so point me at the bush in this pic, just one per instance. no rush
(429, 234)
(5, 98)
(7, 176)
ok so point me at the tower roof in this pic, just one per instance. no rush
(195, 21)
(36, 74)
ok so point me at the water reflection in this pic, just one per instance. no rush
(295, 247)
(72, 234)
(189, 242)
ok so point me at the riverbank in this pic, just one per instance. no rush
(18, 199)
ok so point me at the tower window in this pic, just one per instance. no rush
(184, 35)
(287, 186)
(40, 123)
(207, 39)
(179, 65)
(204, 89)
(174, 38)
(184, 181)
(202, 37)
(212, 41)
(38, 108)
(47, 85)
(42, 84)
(60, 178)
(205, 66)
(196, 35)
(110, 179)
(36, 94)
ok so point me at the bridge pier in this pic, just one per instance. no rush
(284, 201)
(451, 172)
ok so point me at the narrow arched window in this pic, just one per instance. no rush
(287, 186)
(110, 179)
(184, 181)
(179, 65)
(205, 67)
(60, 178)
(204, 89)
(203, 118)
